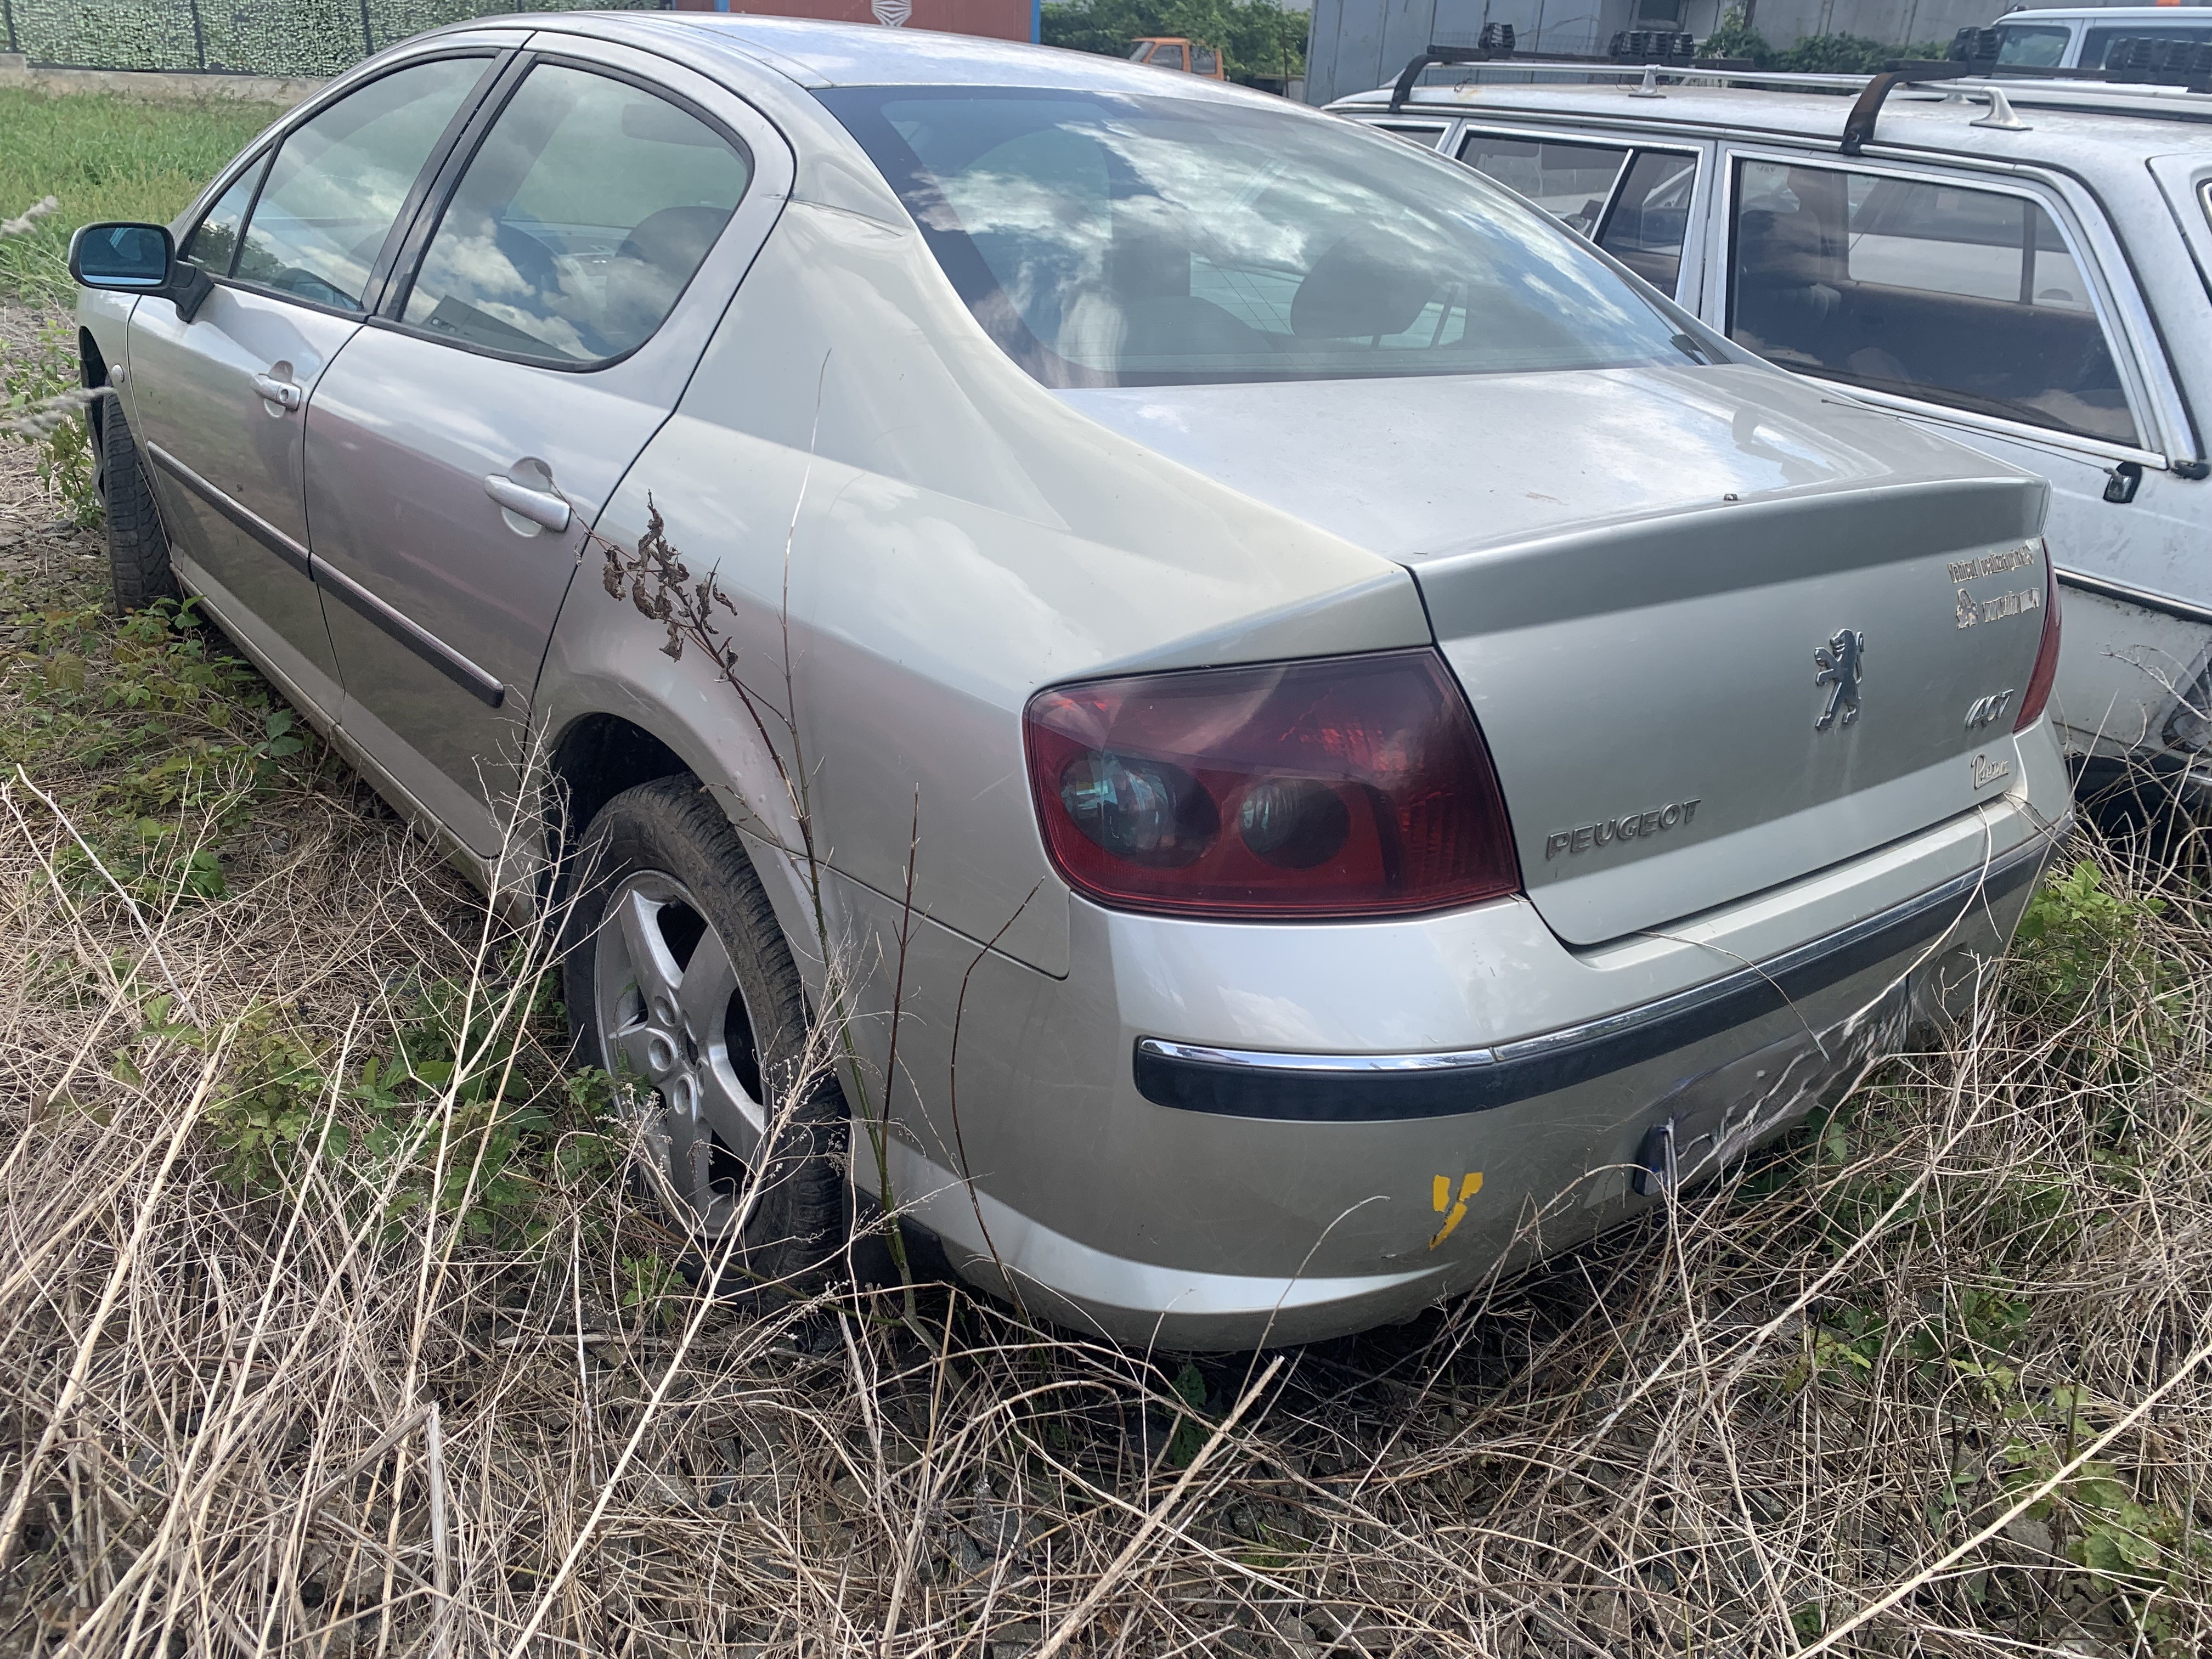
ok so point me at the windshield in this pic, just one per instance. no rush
(1118, 240)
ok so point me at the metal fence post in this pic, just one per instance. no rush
(199, 36)
(367, 38)
(8, 8)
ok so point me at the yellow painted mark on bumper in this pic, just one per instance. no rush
(1440, 1199)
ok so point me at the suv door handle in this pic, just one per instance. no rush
(279, 391)
(538, 506)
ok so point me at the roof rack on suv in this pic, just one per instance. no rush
(2115, 91)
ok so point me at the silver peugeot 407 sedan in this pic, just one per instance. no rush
(1359, 741)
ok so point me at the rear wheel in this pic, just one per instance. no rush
(137, 548)
(680, 984)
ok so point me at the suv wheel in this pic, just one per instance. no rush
(679, 983)
(137, 548)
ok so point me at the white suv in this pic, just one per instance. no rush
(2021, 264)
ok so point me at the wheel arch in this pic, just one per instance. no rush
(600, 746)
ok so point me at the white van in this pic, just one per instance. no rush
(2081, 37)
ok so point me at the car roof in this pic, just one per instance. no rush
(2083, 124)
(817, 54)
(2176, 13)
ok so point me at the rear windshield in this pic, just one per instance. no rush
(1119, 241)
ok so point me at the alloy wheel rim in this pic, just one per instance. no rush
(673, 1027)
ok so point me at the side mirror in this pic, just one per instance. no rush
(132, 259)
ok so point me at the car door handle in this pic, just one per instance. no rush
(538, 506)
(279, 391)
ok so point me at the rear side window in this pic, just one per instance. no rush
(1419, 134)
(340, 181)
(1571, 182)
(1969, 298)
(578, 222)
(1635, 205)
(1111, 240)
(1204, 60)
(1651, 217)
(2097, 45)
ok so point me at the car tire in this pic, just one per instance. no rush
(699, 1043)
(137, 548)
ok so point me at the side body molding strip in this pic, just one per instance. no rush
(484, 687)
(251, 523)
(433, 650)
(1385, 1088)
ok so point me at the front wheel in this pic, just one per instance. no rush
(137, 548)
(679, 983)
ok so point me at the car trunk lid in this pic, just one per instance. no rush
(1660, 590)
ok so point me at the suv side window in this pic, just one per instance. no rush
(1419, 134)
(578, 222)
(1638, 212)
(339, 181)
(1651, 216)
(1935, 291)
(1571, 182)
(2096, 43)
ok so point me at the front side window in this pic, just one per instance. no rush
(340, 181)
(1965, 297)
(213, 241)
(2032, 46)
(1104, 240)
(1571, 182)
(578, 222)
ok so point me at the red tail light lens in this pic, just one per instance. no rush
(2046, 653)
(1346, 786)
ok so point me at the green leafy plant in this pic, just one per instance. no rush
(1187, 1439)
(39, 380)
(2075, 927)
(1736, 39)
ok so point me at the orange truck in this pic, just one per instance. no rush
(1175, 52)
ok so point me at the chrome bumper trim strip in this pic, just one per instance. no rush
(1365, 1088)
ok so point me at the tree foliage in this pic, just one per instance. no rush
(1816, 54)
(1261, 40)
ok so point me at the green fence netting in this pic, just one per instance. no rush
(239, 37)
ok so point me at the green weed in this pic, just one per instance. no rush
(105, 158)
(45, 371)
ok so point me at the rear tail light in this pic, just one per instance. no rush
(1345, 786)
(2046, 653)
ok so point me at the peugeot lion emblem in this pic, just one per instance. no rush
(1839, 661)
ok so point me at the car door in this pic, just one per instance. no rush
(296, 243)
(562, 279)
(1977, 306)
(1643, 203)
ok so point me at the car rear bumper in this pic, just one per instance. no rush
(1228, 1194)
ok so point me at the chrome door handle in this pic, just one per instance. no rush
(538, 506)
(279, 391)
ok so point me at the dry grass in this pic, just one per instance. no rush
(302, 1352)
